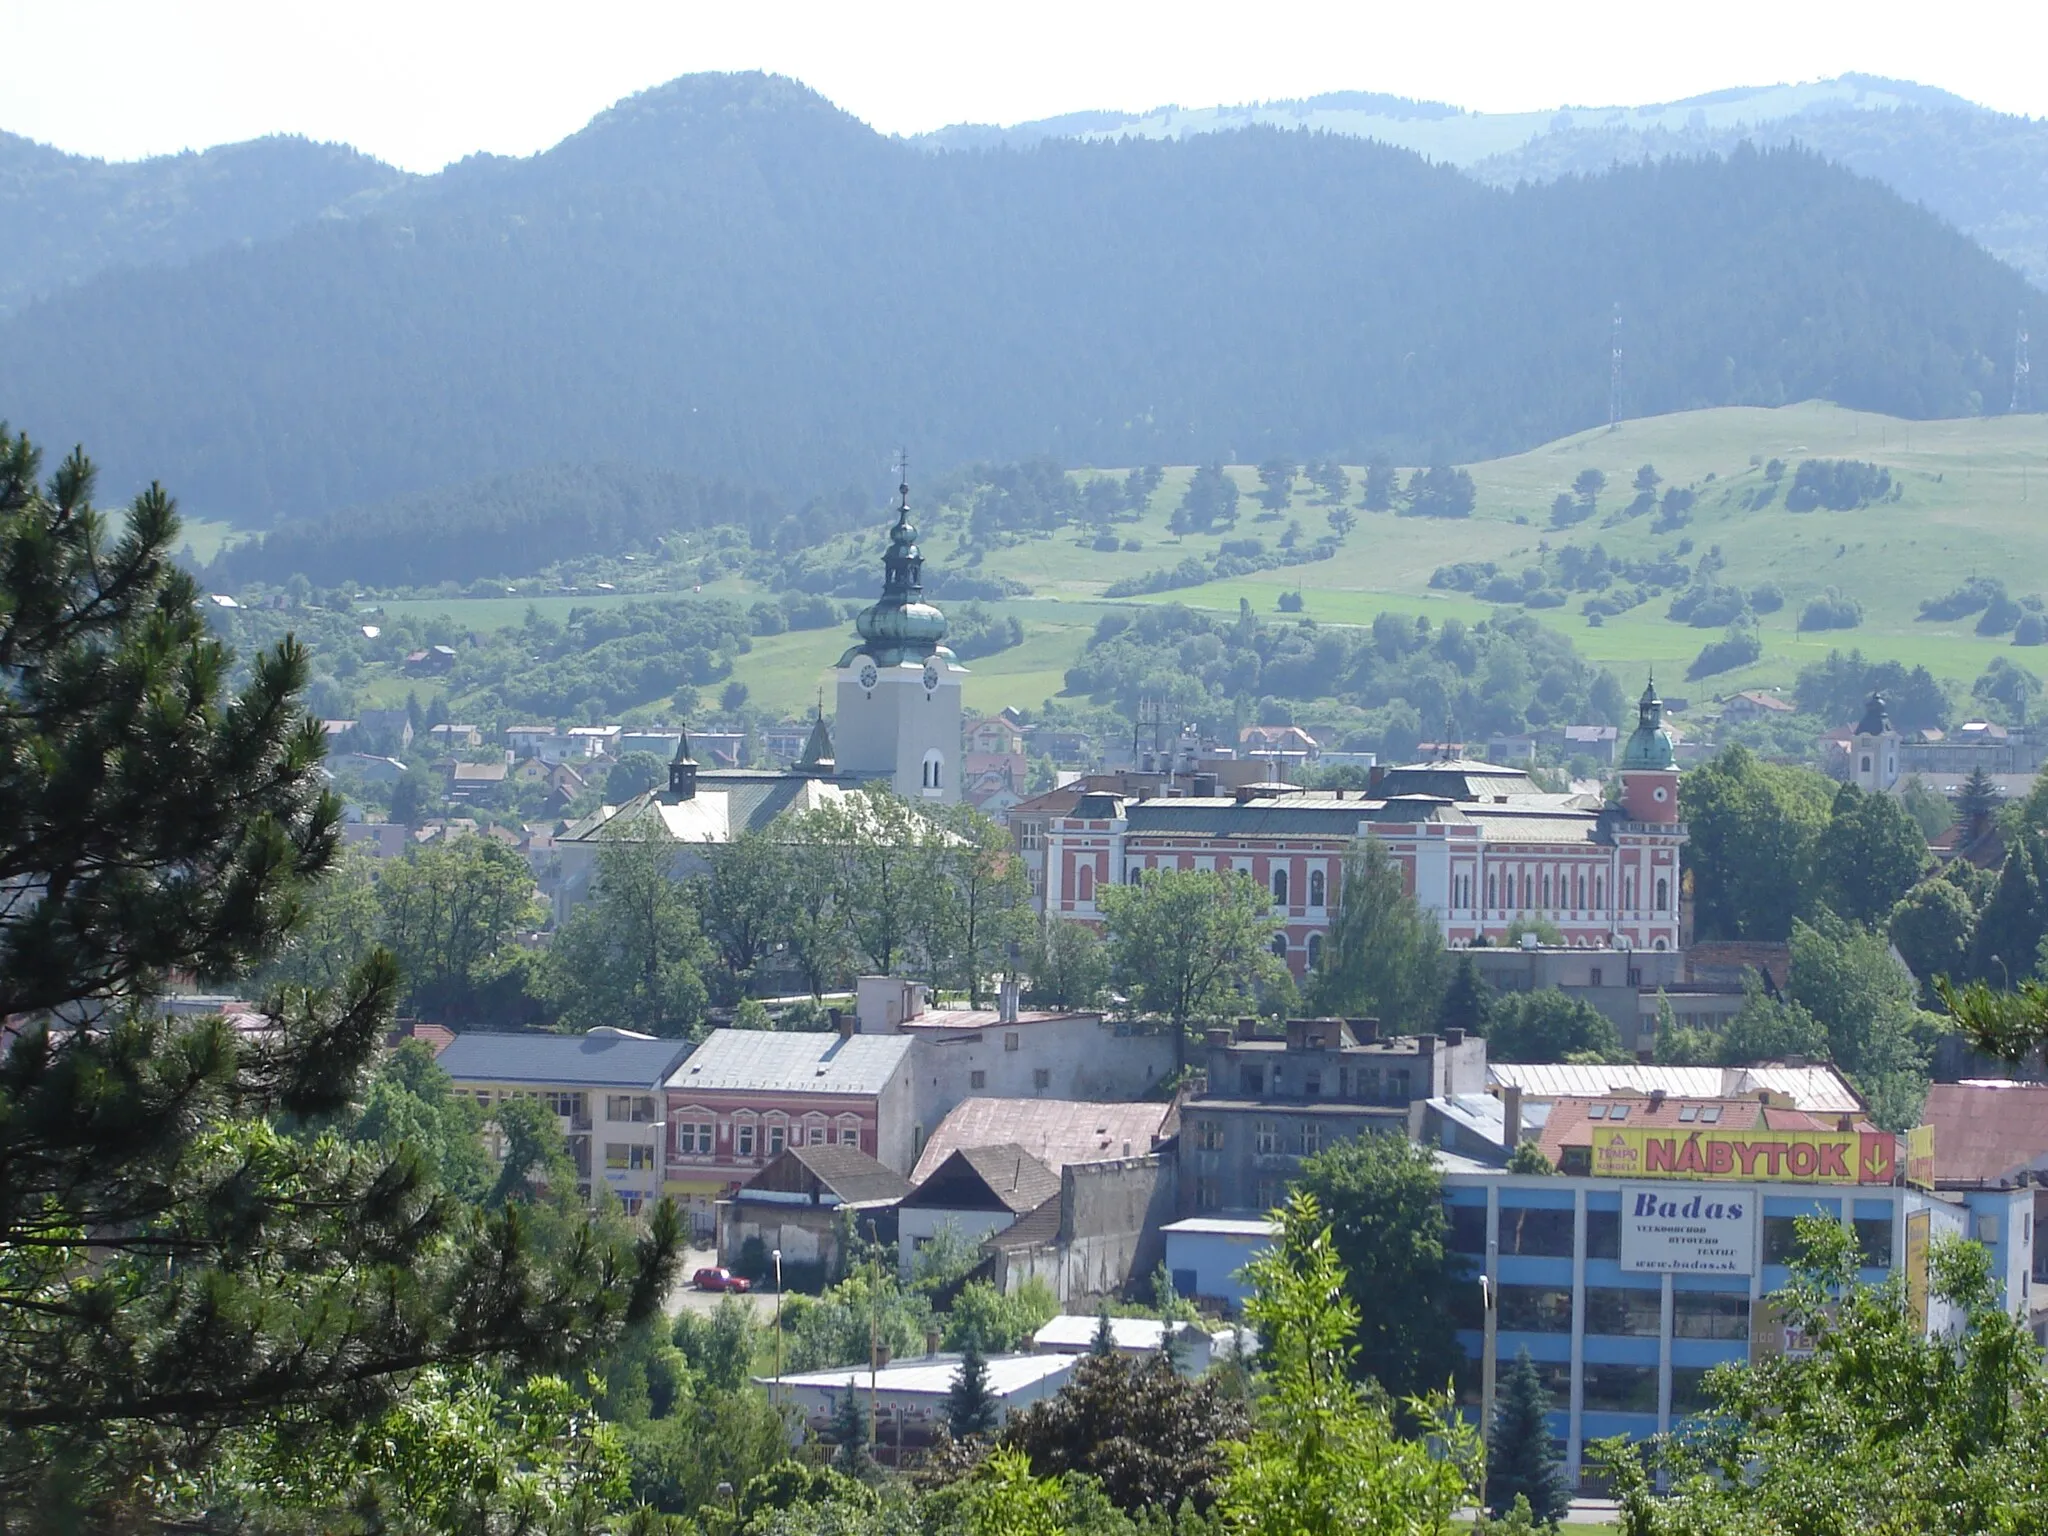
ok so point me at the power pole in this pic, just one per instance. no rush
(2022, 372)
(1614, 374)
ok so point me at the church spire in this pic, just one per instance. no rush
(682, 769)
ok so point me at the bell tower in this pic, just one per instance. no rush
(899, 706)
(1649, 765)
(1874, 750)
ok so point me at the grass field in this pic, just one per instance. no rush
(1974, 500)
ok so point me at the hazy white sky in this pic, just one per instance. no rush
(422, 82)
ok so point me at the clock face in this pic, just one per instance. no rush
(868, 674)
(931, 676)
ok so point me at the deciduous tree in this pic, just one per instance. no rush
(1188, 945)
(632, 954)
(1384, 956)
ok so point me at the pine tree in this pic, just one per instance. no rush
(1977, 802)
(849, 1434)
(245, 1279)
(1521, 1454)
(2010, 927)
(970, 1406)
(1468, 1001)
(1104, 1343)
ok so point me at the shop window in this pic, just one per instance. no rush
(1546, 1234)
(1535, 1309)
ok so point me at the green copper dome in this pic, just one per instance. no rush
(1649, 744)
(901, 626)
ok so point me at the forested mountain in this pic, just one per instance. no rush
(729, 277)
(68, 217)
(1986, 172)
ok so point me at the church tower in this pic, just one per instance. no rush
(1874, 750)
(1649, 765)
(898, 713)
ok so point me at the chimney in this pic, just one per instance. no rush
(931, 1342)
(1364, 1031)
(1454, 1036)
(1657, 1097)
(1511, 1117)
(845, 1023)
(1297, 1034)
(1216, 1037)
(1006, 1002)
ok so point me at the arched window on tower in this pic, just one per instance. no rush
(1317, 887)
(1315, 950)
(1280, 887)
(1493, 890)
(1084, 883)
(1279, 946)
(934, 769)
(1663, 894)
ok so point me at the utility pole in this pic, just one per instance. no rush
(1614, 373)
(2022, 372)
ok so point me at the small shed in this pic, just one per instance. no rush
(793, 1204)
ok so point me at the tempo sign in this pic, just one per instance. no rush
(1791, 1157)
(1688, 1232)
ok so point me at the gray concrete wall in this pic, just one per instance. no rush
(1083, 1059)
(1109, 1237)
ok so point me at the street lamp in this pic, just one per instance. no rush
(777, 1256)
(1490, 1356)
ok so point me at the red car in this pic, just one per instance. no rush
(720, 1280)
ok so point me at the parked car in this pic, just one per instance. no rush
(720, 1280)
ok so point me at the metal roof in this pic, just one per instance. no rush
(602, 1058)
(1818, 1088)
(1224, 1226)
(774, 1061)
(1074, 1331)
(1055, 1131)
(932, 1376)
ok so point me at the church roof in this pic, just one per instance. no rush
(727, 802)
(1877, 720)
(1649, 745)
(818, 747)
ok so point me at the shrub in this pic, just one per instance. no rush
(1737, 648)
(1766, 598)
(1833, 609)
(1840, 485)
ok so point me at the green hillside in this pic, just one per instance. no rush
(1972, 500)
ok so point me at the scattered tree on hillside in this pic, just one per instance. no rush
(1377, 494)
(1209, 501)
(1276, 484)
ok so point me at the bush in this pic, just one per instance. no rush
(1108, 543)
(1977, 593)
(1290, 602)
(2032, 629)
(1737, 648)
(1766, 598)
(1840, 485)
(1831, 610)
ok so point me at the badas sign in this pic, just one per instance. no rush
(1688, 1232)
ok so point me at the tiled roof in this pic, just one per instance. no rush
(1987, 1132)
(774, 1061)
(1573, 1122)
(1012, 1175)
(609, 1059)
(1034, 1229)
(1056, 1131)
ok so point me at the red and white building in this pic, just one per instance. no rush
(1479, 845)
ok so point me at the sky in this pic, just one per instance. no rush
(422, 82)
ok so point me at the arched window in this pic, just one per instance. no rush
(1084, 883)
(1663, 894)
(1280, 887)
(1599, 892)
(1279, 945)
(1580, 904)
(934, 769)
(1659, 944)
(1492, 890)
(1546, 888)
(1315, 950)
(1866, 762)
(1317, 887)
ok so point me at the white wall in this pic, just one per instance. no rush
(1084, 1059)
(913, 1225)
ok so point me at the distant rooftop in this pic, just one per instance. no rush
(602, 1058)
(776, 1061)
(1055, 1131)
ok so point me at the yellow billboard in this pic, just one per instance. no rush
(1788, 1157)
(1918, 1224)
(1920, 1157)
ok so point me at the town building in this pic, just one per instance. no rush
(1991, 1134)
(1479, 845)
(744, 1095)
(1206, 1256)
(1012, 1053)
(1270, 1101)
(605, 1087)
(1756, 705)
(1073, 1333)
(454, 738)
(797, 1203)
(468, 781)
(1072, 1194)
(909, 1396)
(898, 715)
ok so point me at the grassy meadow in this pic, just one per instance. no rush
(1974, 500)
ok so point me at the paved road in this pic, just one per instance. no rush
(687, 1298)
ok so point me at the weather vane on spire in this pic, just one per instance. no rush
(903, 479)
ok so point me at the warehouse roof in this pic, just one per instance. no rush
(611, 1058)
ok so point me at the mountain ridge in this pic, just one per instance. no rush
(731, 277)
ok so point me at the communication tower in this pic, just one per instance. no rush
(1614, 375)
(2022, 371)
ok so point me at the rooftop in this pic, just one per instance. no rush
(1016, 1180)
(1072, 1332)
(1055, 1131)
(1223, 1226)
(774, 1061)
(846, 1172)
(1987, 1132)
(1818, 1088)
(607, 1058)
(932, 1376)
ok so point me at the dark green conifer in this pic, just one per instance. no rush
(1467, 1003)
(849, 1435)
(1521, 1453)
(970, 1406)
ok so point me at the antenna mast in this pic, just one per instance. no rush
(1614, 374)
(2022, 372)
